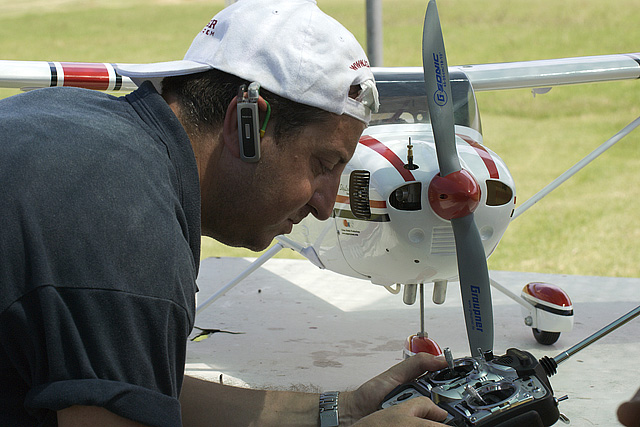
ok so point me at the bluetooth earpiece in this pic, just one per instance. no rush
(249, 131)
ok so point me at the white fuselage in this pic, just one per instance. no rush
(407, 243)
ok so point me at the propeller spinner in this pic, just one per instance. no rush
(453, 193)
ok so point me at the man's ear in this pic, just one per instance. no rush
(230, 127)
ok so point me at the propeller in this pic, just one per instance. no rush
(453, 193)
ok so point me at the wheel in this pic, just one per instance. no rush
(544, 337)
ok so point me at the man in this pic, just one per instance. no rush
(103, 201)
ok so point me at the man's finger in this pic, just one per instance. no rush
(423, 407)
(416, 365)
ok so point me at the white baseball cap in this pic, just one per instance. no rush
(290, 47)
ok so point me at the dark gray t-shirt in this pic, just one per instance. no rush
(99, 253)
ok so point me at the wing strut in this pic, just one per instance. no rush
(576, 168)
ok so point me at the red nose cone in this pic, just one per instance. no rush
(455, 195)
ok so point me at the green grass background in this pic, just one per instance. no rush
(588, 226)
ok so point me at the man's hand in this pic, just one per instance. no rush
(629, 412)
(414, 412)
(366, 399)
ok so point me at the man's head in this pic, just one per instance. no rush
(290, 47)
(303, 153)
(316, 79)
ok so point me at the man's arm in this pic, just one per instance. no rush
(92, 416)
(203, 401)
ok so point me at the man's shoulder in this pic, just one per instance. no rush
(59, 111)
(41, 99)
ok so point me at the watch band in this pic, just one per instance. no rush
(329, 409)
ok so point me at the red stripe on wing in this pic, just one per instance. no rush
(87, 75)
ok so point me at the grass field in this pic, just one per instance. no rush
(588, 226)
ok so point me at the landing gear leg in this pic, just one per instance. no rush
(420, 342)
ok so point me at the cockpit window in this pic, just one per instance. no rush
(403, 98)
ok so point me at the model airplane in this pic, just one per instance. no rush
(423, 200)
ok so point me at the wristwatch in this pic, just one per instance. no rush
(329, 409)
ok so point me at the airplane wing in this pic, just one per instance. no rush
(483, 77)
(540, 73)
(28, 75)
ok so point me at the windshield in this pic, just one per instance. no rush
(403, 98)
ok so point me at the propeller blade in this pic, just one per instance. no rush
(475, 288)
(472, 263)
(436, 77)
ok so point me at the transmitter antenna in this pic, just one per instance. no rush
(550, 364)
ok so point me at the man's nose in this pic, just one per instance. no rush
(324, 198)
